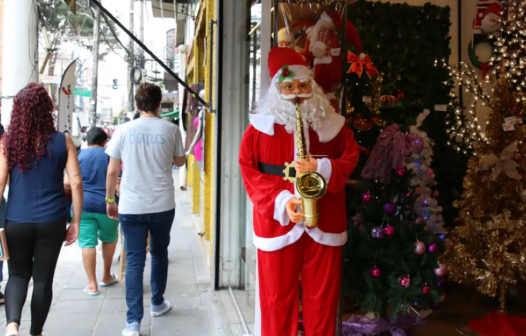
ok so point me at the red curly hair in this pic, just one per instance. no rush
(32, 124)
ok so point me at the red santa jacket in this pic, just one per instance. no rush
(265, 141)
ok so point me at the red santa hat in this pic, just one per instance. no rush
(285, 65)
(351, 34)
(494, 8)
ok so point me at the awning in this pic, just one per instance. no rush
(174, 114)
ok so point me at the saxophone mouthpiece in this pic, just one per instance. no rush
(297, 101)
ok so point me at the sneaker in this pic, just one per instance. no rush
(132, 329)
(161, 309)
(2, 298)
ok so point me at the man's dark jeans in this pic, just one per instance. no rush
(135, 229)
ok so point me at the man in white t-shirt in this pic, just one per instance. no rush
(147, 147)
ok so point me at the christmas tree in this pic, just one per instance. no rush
(489, 248)
(392, 254)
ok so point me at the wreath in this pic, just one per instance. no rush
(484, 66)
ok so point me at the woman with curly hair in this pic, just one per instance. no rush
(35, 157)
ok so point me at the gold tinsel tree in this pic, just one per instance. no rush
(489, 246)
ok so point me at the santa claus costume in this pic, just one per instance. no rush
(286, 250)
(324, 49)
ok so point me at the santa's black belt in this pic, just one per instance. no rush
(275, 170)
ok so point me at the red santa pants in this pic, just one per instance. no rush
(279, 273)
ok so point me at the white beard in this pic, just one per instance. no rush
(313, 110)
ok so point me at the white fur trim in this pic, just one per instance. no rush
(276, 243)
(326, 17)
(257, 322)
(330, 125)
(328, 239)
(280, 211)
(319, 49)
(325, 168)
(309, 29)
(323, 60)
(263, 123)
(300, 72)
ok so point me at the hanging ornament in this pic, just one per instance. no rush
(377, 232)
(433, 248)
(358, 220)
(359, 63)
(375, 272)
(388, 101)
(426, 290)
(420, 220)
(420, 248)
(389, 230)
(362, 124)
(441, 270)
(390, 208)
(430, 172)
(366, 197)
(436, 193)
(404, 281)
(517, 156)
(443, 298)
(400, 172)
(440, 283)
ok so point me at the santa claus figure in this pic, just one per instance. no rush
(487, 20)
(324, 48)
(287, 250)
(285, 37)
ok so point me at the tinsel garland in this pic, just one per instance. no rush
(489, 248)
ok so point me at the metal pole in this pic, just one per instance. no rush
(141, 33)
(149, 52)
(131, 61)
(20, 52)
(95, 74)
(211, 67)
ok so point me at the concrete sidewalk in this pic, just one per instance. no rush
(73, 313)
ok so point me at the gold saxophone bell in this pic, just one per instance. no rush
(310, 185)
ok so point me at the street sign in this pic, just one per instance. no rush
(115, 84)
(83, 93)
(51, 79)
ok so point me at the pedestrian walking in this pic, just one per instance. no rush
(95, 224)
(147, 146)
(34, 159)
(3, 208)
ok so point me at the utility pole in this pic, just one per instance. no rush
(141, 33)
(95, 74)
(131, 59)
(20, 51)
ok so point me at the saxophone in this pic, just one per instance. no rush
(310, 185)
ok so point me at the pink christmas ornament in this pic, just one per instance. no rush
(375, 272)
(420, 248)
(389, 230)
(430, 172)
(366, 197)
(433, 248)
(404, 281)
(441, 270)
(400, 172)
(426, 290)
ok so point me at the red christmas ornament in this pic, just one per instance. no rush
(517, 156)
(420, 220)
(389, 230)
(420, 248)
(378, 121)
(362, 124)
(375, 272)
(400, 172)
(430, 172)
(404, 281)
(433, 248)
(426, 290)
(366, 197)
(436, 193)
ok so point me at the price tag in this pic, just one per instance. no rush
(513, 120)
(508, 127)
(367, 99)
(441, 108)
(336, 51)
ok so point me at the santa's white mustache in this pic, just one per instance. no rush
(292, 96)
